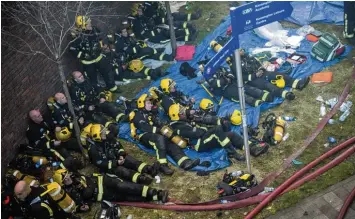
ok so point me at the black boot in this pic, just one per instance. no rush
(164, 168)
(163, 195)
(290, 96)
(302, 83)
(232, 153)
(144, 179)
(258, 148)
(189, 164)
(151, 170)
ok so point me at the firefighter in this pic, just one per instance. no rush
(256, 76)
(146, 127)
(89, 47)
(97, 187)
(146, 31)
(137, 49)
(37, 204)
(203, 139)
(107, 153)
(349, 21)
(157, 12)
(93, 101)
(223, 83)
(40, 135)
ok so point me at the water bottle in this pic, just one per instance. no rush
(130, 217)
(332, 121)
(332, 102)
(286, 137)
(269, 189)
(345, 114)
(237, 173)
(323, 110)
(346, 106)
(121, 100)
(288, 118)
(55, 164)
(332, 140)
(224, 201)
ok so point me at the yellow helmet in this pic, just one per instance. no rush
(206, 104)
(50, 103)
(174, 111)
(153, 91)
(141, 100)
(63, 135)
(136, 65)
(82, 21)
(166, 83)
(135, 7)
(279, 82)
(236, 117)
(96, 131)
(59, 176)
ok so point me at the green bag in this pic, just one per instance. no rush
(327, 48)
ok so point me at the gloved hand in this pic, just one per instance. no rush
(226, 125)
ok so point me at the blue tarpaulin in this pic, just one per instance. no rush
(190, 87)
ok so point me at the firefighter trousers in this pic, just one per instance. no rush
(180, 16)
(215, 137)
(163, 146)
(150, 53)
(349, 19)
(115, 189)
(130, 170)
(104, 68)
(112, 110)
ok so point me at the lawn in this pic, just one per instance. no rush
(189, 187)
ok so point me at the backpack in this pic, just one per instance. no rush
(327, 48)
(108, 211)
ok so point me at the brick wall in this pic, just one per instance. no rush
(27, 82)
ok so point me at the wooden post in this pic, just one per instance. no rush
(171, 28)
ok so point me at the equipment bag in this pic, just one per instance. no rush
(108, 211)
(327, 48)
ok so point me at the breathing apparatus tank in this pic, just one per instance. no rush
(64, 201)
(40, 160)
(274, 129)
(279, 129)
(30, 180)
(168, 132)
(215, 46)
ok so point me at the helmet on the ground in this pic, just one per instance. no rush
(236, 117)
(166, 83)
(206, 104)
(63, 135)
(59, 176)
(154, 93)
(174, 111)
(81, 21)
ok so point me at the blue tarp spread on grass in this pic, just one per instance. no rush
(247, 40)
(307, 12)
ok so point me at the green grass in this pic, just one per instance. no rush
(189, 187)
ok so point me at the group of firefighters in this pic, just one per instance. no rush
(32, 188)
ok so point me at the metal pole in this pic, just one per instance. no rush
(171, 28)
(242, 106)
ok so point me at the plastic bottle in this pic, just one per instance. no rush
(332, 140)
(237, 173)
(332, 121)
(346, 106)
(345, 114)
(55, 164)
(288, 118)
(157, 179)
(224, 201)
(286, 136)
(332, 102)
(323, 110)
(121, 100)
(130, 217)
(269, 189)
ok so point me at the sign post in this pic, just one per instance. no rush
(244, 18)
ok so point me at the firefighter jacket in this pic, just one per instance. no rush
(175, 97)
(105, 154)
(84, 94)
(250, 66)
(144, 122)
(155, 11)
(62, 116)
(187, 130)
(88, 45)
(41, 136)
(220, 80)
(10, 207)
(141, 28)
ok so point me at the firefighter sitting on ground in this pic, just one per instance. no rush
(146, 31)
(97, 187)
(38, 204)
(93, 102)
(89, 46)
(146, 127)
(41, 136)
(255, 75)
(223, 83)
(107, 153)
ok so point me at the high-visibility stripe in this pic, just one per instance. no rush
(79, 54)
(135, 177)
(284, 93)
(71, 125)
(114, 88)
(186, 38)
(154, 129)
(161, 57)
(219, 121)
(145, 191)
(197, 146)
(48, 144)
(69, 209)
(62, 166)
(57, 154)
(222, 143)
(162, 161)
(163, 20)
(249, 77)
(118, 117)
(184, 25)
(110, 164)
(265, 95)
(152, 32)
(182, 160)
(187, 32)
(146, 71)
(218, 83)
(188, 17)
(134, 50)
(100, 187)
(92, 61)
(155, 51)
(141, 167)
(295, 82)
(257, 102)
(48, 208)
(155, 198)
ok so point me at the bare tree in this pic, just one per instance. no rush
(52, 22)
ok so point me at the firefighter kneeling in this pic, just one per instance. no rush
(99, 187)
(146, 126)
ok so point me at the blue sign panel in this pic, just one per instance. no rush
(245, 18)
(256, 14)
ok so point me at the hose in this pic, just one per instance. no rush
(298, 174)
(346, 204)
